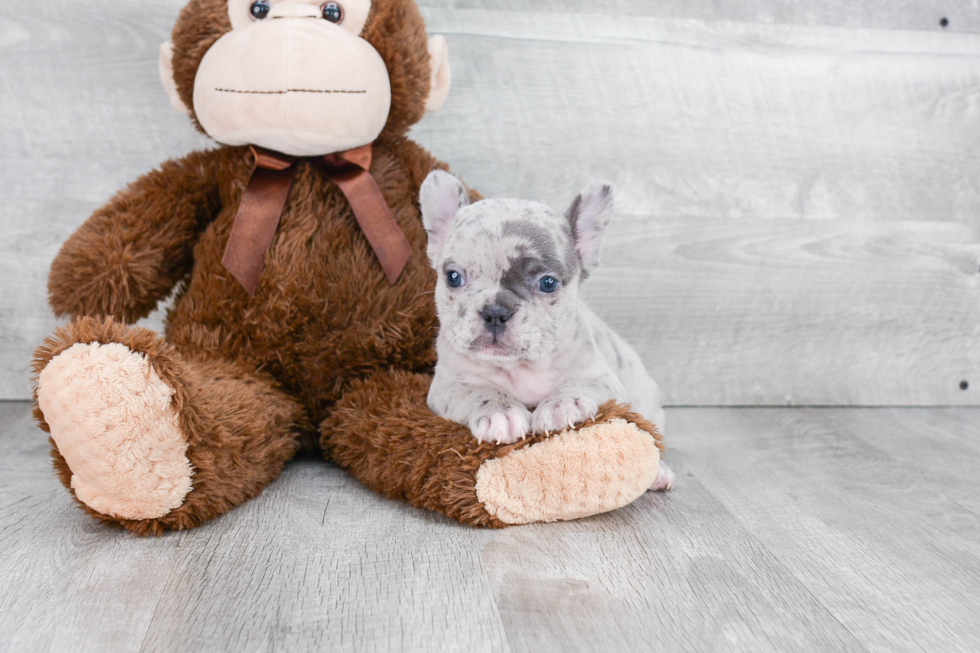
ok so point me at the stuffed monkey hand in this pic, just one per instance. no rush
(132, 252)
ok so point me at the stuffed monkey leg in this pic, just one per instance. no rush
(382, 432)
(150, 441)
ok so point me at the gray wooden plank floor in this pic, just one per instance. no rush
(791, 529)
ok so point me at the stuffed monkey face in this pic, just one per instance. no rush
(297, 77)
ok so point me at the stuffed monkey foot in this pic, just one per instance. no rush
(150, 441)
(576, 473)
(382, 432)
(111, 417)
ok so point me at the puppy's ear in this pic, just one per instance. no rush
(441, 197)
(590, 215)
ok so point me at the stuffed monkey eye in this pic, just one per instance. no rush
(259, 9)
(333, 12)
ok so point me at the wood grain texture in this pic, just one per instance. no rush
(84, 115)
(789, 530)
(714, 120)
(874, 511)
(884, 14)
(780, 312)
(800, 150)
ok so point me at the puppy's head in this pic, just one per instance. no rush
(509, 270)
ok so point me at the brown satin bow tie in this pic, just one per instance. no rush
(264, 199)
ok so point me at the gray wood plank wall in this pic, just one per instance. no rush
(798, 212)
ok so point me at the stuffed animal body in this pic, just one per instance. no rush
(303, 310)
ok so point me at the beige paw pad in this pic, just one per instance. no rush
(111, 416)
(572, 475)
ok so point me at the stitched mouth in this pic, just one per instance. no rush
(289, 90)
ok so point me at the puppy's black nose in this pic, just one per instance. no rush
(495, 317)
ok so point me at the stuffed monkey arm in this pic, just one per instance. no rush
(132, 252)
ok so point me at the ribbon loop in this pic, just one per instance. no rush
(257, 219)
(265, 197)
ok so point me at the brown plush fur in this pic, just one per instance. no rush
(383, 433)
(132, 251)
(325, 344)
(240, 428)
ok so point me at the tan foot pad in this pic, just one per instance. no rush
(574, 474)
(111, 416)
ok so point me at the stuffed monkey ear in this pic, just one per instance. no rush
(441, 197)
(167, 77)
(442, 76)
(590, 215)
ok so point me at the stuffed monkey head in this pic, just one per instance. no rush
(304, 77)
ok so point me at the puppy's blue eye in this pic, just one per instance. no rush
(454, 279)
(548, 284)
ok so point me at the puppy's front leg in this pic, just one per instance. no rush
(491, 414)
(573, 402)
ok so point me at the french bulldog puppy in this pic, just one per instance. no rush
(514, 334)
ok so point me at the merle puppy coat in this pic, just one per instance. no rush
(514, 334)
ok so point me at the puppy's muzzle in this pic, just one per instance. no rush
(495, 319)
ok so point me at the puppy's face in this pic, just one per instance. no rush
(509, 270)
(508, 281)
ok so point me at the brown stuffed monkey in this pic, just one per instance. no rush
(303, 307)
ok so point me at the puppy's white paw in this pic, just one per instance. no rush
(665, 478)
(561, 412)
(505, 425)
